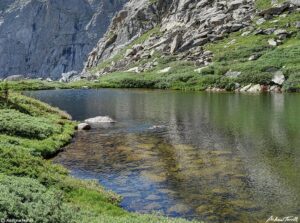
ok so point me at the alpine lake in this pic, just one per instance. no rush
(213, 157)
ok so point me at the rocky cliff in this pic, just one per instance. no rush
(45, 38)
(183, 26)
(241, 45)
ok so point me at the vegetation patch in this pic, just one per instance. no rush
(13, 122)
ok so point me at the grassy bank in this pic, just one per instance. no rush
(33, 188)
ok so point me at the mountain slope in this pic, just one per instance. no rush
(184, 26)
(45, 38)
(186, 44)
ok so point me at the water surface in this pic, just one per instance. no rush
(212, 157)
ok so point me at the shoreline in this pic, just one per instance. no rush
(24, 161)
(36, 85)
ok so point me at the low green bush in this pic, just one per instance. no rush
(15, 161)
(13, 122)
(293, 83)
(262, 78)
(26, 199)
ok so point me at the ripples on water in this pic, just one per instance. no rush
(213, 157)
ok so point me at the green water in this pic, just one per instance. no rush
(212, 157)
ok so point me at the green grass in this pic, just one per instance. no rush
(265, 4)
(33, 85)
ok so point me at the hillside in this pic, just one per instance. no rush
(201, 45)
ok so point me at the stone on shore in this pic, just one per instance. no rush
(83, 126)
(99, 120)
(278, 78)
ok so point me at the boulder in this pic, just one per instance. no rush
(245, 88)
(275, 89)
(253, 57)
(276, 10)
(260, 21)
(280, 32)
(15, 78)
(218, 19)
(67, 77)
(254, 88)
(83, 126)
(165, 70)
(235, 4)
(130, 52)
(278, 78)
(272, 42)
(134, 69)
(99, 120)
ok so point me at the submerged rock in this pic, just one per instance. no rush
(153, 197)
(179, 208)
(156, 127)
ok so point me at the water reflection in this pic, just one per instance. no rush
(219, 157)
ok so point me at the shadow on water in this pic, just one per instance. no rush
(213, 157)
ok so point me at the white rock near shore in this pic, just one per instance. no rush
(83, 126)
(99, 120)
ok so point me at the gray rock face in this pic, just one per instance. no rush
(46, 38)
(14, 78)
(184, 26)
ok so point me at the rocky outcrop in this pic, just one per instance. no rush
(183, 26)
(46, 38)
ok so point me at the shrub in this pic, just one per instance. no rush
(26, 199)
(263, 78)
(293, 83)
(18, 162)
(13, 122)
